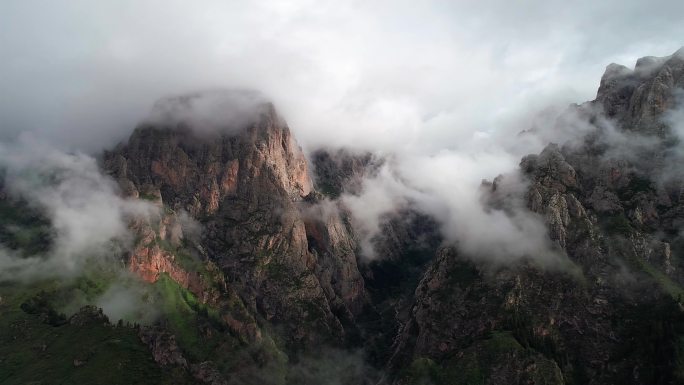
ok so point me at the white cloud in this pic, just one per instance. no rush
(443, 85)
(371, 74)
(447, 186)
(88, 216)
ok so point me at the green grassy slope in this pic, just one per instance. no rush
(35, 352)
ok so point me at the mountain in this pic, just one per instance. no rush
(250, 194)
(615, 316)
(250, 269)
(267, 257)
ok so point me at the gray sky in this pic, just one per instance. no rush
(418, 76)
(444, 86)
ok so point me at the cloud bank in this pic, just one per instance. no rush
(88, 216)
(382, 74)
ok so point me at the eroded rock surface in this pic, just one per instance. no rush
(613, 210)
(245, 185)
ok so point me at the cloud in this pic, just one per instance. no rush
(383, 193)
(210, 111)
(88, 216)
(634, 151)
(333, 367)
(128, 299)
(447, 186)
(444, 86)
(381, 75)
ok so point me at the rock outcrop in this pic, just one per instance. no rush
(342, 171)
(612, 314)
(245, 183)
(637, 98)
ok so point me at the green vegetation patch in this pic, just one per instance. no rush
(33, 351)
(179, 308)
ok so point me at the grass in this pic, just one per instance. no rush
(184, 314)
(476, 365)
(502, 341)
(177, 304)
(188, 319)
(148, 197)
(34, 352)
(182, 257)
(470, 369)
(39, 346)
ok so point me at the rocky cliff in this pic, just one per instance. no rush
(613, 314)
(637, 98)
(291, 263)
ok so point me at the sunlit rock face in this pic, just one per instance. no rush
(196, 161)
(230, 161)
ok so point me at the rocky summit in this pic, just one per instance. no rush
(249, 266)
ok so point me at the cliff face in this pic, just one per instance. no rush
(339, 171)
(197, 171)
(246, 186)
(613, 315)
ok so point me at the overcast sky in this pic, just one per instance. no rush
(440, 87)
(388, 75)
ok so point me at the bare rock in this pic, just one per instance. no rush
(163, 345)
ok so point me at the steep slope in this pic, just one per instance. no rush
(614, 314)
(246, 186)
(637, 98)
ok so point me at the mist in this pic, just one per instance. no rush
(442, 88)
(87, 215)
(381, 75)
(448, 186)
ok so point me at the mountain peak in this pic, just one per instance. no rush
(637, 98)
(211, 111)
(614, 70)
(648, 64)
